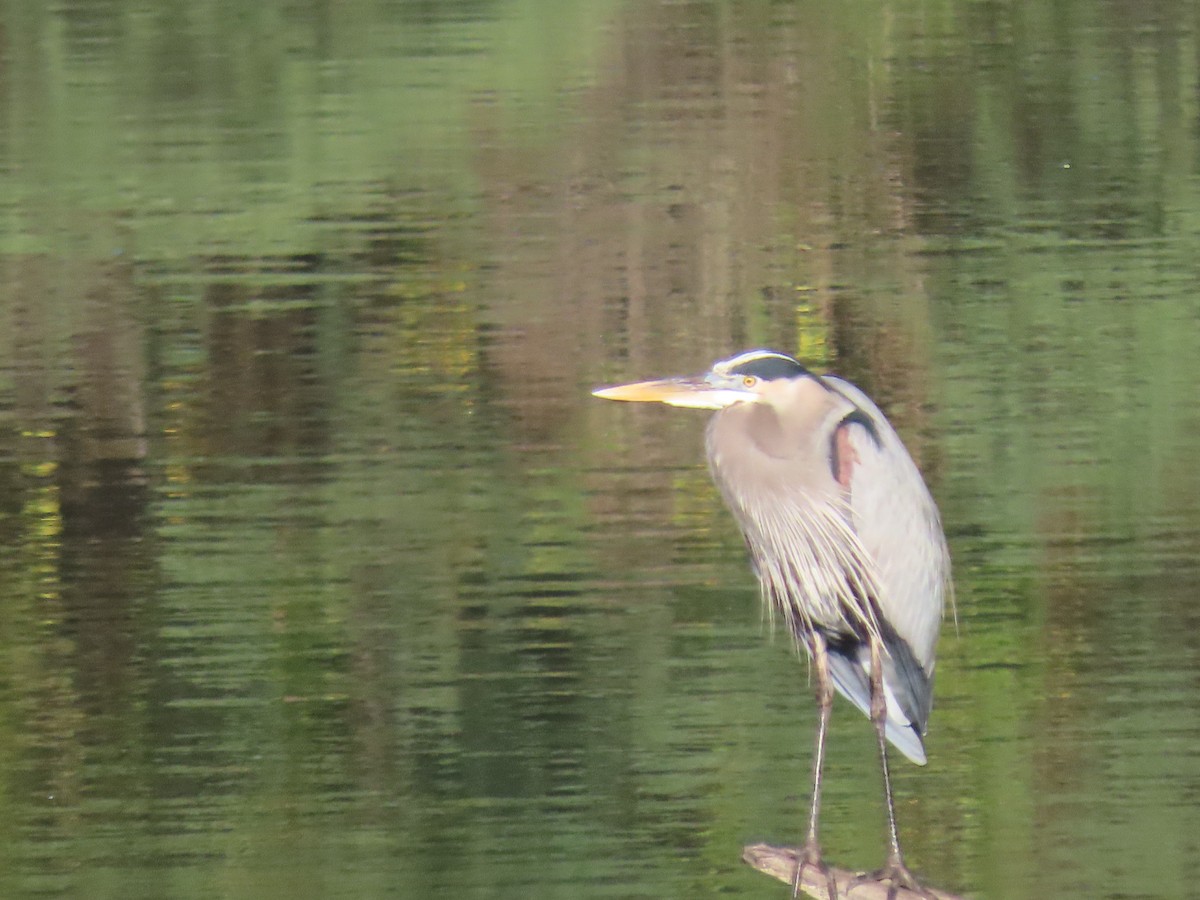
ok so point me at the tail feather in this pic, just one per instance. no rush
(907, 687)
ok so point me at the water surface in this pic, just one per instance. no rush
(322, 574)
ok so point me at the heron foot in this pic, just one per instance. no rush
(810, 855)
(898, 877)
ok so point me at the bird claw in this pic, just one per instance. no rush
(898, 876)
(810, 855)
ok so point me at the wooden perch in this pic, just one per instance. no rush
(780, 862)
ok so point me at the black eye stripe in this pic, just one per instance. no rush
(770, 367)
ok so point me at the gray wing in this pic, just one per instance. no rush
(897, 522)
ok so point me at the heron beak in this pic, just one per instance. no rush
(691, 393)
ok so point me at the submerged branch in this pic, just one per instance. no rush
(780, 863)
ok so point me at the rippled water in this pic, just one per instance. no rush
(323, 575)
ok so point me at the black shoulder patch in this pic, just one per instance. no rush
(768, 366)
(858, 417)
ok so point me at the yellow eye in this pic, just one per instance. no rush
(749, 381)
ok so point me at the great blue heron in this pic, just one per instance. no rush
(845, 540)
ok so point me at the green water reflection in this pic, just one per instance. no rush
(322, 576)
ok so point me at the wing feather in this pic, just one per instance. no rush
(897, 522)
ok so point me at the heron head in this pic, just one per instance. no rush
(745, 378)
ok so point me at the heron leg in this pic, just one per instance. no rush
(810, 853)
(894, 870)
